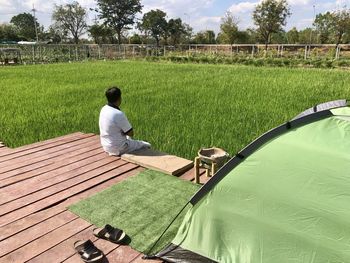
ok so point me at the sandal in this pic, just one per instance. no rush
(110, 233)
(88, 252)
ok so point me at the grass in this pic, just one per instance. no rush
(177, 107)
(142, 205)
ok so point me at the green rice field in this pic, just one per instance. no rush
(177, 107)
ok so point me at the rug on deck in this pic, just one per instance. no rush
(142, 205)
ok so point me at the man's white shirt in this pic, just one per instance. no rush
(113, 128)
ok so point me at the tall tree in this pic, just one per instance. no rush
(308, 36)
(293, 36)
(101, 34)
(176, 30)
(229, 29)
(341, 24)
(71, 18)
(205, 37)
(155, 24)
(270, 16)
(25, 24)
(8, 33)
(324, 24)
(118, 14)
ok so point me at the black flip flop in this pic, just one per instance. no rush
(110, 233)
(88, 252)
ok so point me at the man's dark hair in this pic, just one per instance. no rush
(113, 94)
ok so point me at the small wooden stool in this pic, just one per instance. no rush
(211, 159)
(210, 170)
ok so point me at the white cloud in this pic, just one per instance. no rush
(299, 2)
(243, 7)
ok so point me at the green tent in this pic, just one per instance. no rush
(285, 198)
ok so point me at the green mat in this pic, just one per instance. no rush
(142, 205)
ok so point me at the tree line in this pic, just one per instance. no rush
(116, 18)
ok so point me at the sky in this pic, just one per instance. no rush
(200, 14)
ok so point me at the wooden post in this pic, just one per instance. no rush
(133, 51)
(213, 168)
(164, 51)
(305, 56)
(282, 51)
(339, 52)
(99, 52)
(253, 51)
(76, 53)
(196, 170)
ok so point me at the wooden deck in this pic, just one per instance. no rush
(39, 181)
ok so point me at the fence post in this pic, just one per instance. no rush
(337, 53)
(282, 51)
(76, 53)
(164, 51)
(33, 51)
(253, 51)
(305, 56)
(99, 52)
(133, 51)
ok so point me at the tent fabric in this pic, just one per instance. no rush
(288, 201)
(176, 254)
(322, 107)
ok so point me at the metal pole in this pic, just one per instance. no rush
(36, 30)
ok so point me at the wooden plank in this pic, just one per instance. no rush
(28, 149)
(29, 221)
(39, 171)
(49, 141)
(61, 196)
(75, 180)
(30, 186)
(46, 242)
(33, 219)
(189, 175)
(65, 249)
(44, 152)
(37, 231)
(159, 161)
(122, 254)
(36, 171)
(36, 157)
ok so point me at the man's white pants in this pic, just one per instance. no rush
(132, 145)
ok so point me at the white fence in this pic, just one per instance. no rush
(50, 53)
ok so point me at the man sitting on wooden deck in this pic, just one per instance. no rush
(115, 129)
